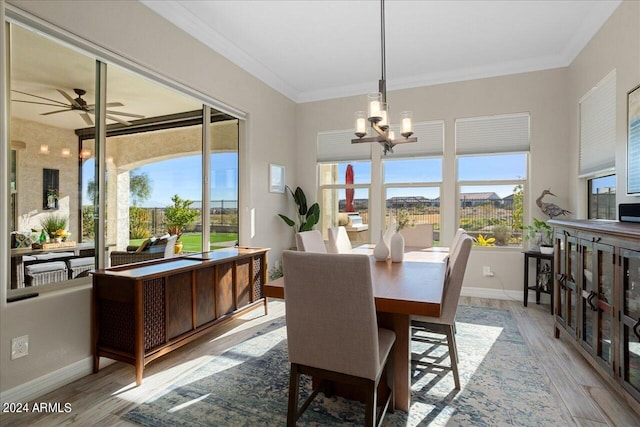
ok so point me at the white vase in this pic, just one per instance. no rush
(381, 251)
(397, 247)
(391, 229)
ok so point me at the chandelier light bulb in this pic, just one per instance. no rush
(384, 114)
(406, 124)
(375, 101)
(361, 124)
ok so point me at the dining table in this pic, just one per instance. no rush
(414, 286)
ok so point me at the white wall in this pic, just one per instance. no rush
(543, 94)
(58, 324)
(615, 46)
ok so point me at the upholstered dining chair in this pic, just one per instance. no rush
(339, 242)
(456, 239)
(420, 236)
(310, 241)
(332, 330)
(445, 324)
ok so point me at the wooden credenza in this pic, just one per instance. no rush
(597, 294)
(145, 310)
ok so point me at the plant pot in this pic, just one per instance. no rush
(178, 248)
(548, 250)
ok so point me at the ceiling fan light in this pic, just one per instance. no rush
(85, 153)
(44, 149)
(65, 152)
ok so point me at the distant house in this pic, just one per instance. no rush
(507, 202)
(408, 202)
(475, 199)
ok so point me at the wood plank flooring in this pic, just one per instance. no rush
(585, 398)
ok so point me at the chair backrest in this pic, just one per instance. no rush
(169, 250)
(339, 242)
(455, 276)
(310, 241)
(456, 239)
(420, 236)
(331, 315)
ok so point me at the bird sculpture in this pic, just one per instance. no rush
(550, 209)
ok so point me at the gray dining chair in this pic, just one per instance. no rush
(332, 329)
(310, 241)
(445, 324)
(339, 242)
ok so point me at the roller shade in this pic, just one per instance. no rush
(598, 127)
(507, 133)
(430, 141)
(336, 146)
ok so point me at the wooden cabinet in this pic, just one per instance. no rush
(142, 311)
(597, 286)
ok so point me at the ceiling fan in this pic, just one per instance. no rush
(79, 106)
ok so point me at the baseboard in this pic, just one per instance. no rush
(501, 294)
(51, 381)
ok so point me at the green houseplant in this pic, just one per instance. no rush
(306, 217)
(178, 216)
(53, 224)
(539, 234)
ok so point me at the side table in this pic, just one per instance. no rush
(544, 276)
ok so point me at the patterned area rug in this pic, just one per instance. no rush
(502, 385)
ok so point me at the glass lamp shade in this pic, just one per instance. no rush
(406, 124)
(384, 114)
(374, 102)
(361, 124)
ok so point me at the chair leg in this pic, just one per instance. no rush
(453, 355)
(370, 417)
(292, 411)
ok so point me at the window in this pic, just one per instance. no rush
(597, 146)
(602, 197)
(492, 170)
(344, 198)
(153, 150)
(414, 185)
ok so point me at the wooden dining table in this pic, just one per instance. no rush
(412, 287)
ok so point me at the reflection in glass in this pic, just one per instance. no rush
(632, 287)
(632, 368)
(605, 335)
(223, 212)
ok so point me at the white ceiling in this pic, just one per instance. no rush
(312, 50)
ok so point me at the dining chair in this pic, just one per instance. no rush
(420, 236)
(445, 324)
(339, 242)
(310, 241)
(456, 239)
(332, 329)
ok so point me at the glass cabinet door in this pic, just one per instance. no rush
(561, 277)
(604, 274)
(630, 321)
(588, 308)
(571, 283)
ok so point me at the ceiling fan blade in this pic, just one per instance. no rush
(119, 113)
(118, 119)
(40, 103)
(92, 107)
(60, 104)
(69, 98)
(56, 112)
(87, 119)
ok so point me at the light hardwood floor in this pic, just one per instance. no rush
(100, 399)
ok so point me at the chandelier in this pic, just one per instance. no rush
(378, 111)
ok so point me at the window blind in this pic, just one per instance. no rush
(598, 127)
(430, 141)
(508, 133)
(336, 146)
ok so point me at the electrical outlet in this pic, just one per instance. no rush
(19, 347)
(486, 271)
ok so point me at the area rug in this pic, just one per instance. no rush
(502, 385)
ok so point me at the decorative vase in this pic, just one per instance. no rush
(391, 229)
(397, 247)
(178, 248)
(381, 251)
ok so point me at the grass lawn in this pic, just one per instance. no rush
(193, 242)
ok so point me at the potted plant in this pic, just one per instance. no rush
(177, 217)
(539, 234)
(306, 217)
(54, 225)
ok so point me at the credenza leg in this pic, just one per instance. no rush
(96, 364)
(139, 370)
